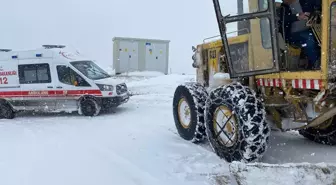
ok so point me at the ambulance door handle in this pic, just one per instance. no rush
(50, 87)
(59, 87)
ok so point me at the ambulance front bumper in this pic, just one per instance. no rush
(110, 102)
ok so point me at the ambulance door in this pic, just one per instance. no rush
(36, 85)
(70, 86)
(64, 87)
(9, 83)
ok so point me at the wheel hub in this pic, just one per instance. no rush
(184, 113)
(88, 108)
(226, 126)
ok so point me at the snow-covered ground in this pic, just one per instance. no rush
(136, 144)
(284, 174)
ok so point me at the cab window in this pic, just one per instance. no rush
(64, 75)
(34, 73)
(239, 7)
(68, 76)
(265, 27)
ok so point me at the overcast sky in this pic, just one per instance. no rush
(91, 25)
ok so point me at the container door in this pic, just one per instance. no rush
(134, 58)
(254, 19)
(150, 60)
(128, 56)
(160, 57)
(156, 57)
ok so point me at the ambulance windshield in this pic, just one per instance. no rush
(90, 70)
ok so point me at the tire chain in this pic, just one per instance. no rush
(199, 95)
(254, 136)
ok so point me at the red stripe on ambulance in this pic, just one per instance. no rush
(50, 93)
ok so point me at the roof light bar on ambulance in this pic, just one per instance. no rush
(53, 46)
(5, 50)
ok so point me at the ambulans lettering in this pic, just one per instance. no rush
(38, 93)
(8, 73)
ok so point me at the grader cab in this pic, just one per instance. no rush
(252, 78)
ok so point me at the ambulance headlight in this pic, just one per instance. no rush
(105, 87)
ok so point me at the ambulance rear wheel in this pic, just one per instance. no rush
(89, 107)
(6, 111)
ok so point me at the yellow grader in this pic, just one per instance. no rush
(251, 79)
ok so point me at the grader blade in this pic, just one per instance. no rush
(322, 118)
(289, 174)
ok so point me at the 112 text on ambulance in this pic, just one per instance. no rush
(4, 74)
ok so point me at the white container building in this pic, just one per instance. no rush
(136, 54)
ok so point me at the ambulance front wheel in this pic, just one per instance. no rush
(6, 111)
(89, 107)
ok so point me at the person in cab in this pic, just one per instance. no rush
(294, 15)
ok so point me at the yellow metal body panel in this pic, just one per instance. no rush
(325, 37)
(213, 62)
(232, 40)
(215, 47)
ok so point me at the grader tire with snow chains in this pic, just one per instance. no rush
(89, 107)
(323, 134)
(235, 124)
(188, 110)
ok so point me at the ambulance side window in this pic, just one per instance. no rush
(63, 74)
(34, 74)
(68, 76)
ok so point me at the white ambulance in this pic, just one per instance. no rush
(52, 79)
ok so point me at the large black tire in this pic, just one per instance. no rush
(325, 134)
(250, 128)
(6, 111)
(194, 95)
(89, 107)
